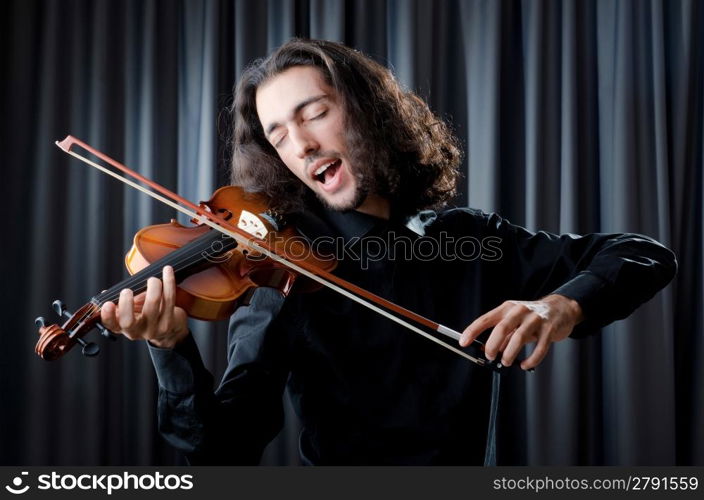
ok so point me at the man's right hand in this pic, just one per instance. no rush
(152, 315)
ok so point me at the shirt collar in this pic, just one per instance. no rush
(352, 224)
(322, 222)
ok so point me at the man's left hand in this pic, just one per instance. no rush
(517, 323)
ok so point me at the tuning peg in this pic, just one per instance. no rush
(90, 349)
(105, 332)
(39, 321)
(60, 308)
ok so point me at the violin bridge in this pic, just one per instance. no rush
(251, 224)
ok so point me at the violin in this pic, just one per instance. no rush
(214, 273)
(238, 244)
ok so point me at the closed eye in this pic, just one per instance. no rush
(317, 116)
(277, 142)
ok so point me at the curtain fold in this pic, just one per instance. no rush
(576, 117)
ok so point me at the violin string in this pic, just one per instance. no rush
(136, 285)
(252, 243)
(110, 295)
(179, 260)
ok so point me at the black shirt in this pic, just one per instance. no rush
(367, 390)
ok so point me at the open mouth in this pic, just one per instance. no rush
(326, 174)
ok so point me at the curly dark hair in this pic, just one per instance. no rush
(408, 155)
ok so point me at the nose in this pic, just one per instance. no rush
(303, 142)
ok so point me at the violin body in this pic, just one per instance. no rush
(212, 293)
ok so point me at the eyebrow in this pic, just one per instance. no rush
(296, 110)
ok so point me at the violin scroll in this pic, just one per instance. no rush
(55, 341)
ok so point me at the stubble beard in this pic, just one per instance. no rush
(359, 163)
(362, 190)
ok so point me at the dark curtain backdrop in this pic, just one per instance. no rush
(577, 116)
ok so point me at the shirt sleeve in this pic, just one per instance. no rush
(234, 423)
(609, 275)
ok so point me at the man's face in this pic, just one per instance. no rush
(304, 120)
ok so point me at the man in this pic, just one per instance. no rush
(330, 138)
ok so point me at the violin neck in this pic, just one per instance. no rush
(185, 261)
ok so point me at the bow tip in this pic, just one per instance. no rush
(66, 143)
